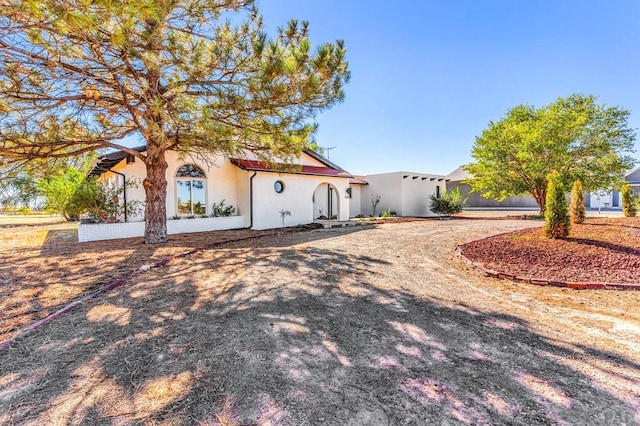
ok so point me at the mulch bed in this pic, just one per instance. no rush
(603, 250)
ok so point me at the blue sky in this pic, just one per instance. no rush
(428, 76)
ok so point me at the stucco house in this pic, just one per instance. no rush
(404, 193)
(613, 198)
(633, 179)
(310, 187)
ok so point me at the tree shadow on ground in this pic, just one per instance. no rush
(56, 236)
(299, 336)
(618, 224)
(35, 282)
(609, 246)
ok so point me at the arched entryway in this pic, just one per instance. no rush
(326, 202)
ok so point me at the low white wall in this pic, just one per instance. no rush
(112, 231)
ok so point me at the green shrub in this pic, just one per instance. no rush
(557, 223)
(629, 206)
(576, 207)
(449, 202)
(103, 202)
(386, 214)
(220, 210)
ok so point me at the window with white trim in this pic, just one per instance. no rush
(191, 190)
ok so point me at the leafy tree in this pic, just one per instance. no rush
(18, 191)
(556, 215)
(629, 206)
(195, 76)
(59, 190)
(72, 195)
(448, 203)
(577, 210)
(575, 136)
(102, 201)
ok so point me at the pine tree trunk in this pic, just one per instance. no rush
(155, 187)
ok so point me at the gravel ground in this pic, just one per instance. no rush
(382, 325)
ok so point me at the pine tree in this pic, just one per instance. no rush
(576, 208)
(629, 208)
(190, 76)
(556, 215)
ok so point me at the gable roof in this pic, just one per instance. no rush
(106, 162)
(311, 153)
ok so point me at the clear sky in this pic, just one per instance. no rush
(429, 75)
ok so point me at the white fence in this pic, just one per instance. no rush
(112, 231)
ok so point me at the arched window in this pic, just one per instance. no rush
(191, 190)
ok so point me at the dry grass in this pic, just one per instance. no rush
(43, 267)
(31, 219)
(374, 326)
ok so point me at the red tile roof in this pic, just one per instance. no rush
(288, 168)
(358, 180)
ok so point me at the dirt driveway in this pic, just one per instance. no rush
(374, 326)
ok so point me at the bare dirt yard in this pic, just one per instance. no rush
(377, 325)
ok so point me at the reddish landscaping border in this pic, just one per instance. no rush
(544, 282)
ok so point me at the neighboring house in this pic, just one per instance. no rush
(633, 179)
(312, 187)
(595, 200)
(612, 198)
(456, 179)
(602, 199)
(404, 193)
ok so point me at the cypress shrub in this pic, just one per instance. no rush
(576, 208)
(629, 207)
(556, 214)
